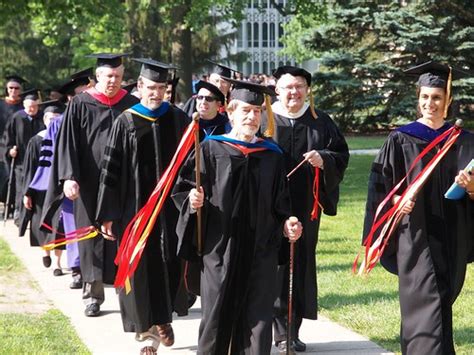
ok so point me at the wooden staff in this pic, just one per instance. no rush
(289, 323)
(197, 159)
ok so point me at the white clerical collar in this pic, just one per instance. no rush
(278, 108)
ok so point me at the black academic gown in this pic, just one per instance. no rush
(432, 245)
(138, 151)
(18, 132)
(37, 236)
(246, 204)
(216, 126)
(304, 135)
(78, 155)
(6, 112)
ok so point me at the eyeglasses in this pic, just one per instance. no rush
(14, 87)
(297, 87)
(206, 98)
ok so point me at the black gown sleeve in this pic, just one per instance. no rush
(30, 165)
(112, 177)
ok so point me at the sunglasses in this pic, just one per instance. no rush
(206, 98)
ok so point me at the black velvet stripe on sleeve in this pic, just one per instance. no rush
(46, 153)
(45, 163)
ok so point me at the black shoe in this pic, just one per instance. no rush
(281, 346)
(58, 272)
(92, 310)
(191, 300)
(76, 283)
(299, 345)
(47, 261)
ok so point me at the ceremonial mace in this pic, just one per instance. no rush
(9, 190)
(197, 159)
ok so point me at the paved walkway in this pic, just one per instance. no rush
(364, 151)
(104, 335)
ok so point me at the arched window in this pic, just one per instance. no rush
(280, 35)
(249, 35)
(255, 35)
(272, 34)
(248, 68)
(256, 67)
(265, 68)
(265, 35)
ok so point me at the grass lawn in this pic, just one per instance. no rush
(365, 142)
(369, 305)
(26, 333)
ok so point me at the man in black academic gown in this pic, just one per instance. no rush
(245, 210)
(141, 145)
(209, 100)
(23, 125)
(8, 106)
(217, 78)
(13, 101)
(78, 156)
(305, 133)
(33, 197)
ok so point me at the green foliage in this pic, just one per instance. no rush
(8, 262)
(363, 47)
(49, 333)
(366, 142)
(47, 40)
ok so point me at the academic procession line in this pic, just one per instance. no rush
(322, 336)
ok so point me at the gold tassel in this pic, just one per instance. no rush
(449, 99)
(270, 120)
(311, 104)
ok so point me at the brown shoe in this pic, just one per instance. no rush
(148, 350)
(165, 331)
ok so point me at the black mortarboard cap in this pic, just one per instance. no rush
(222, 70)
(54, 106)
(154, 70)
(15, 78)
(85, 73)
(70, 87)
(434, 75)
(249, 92)
(111, 60)
(212, 88)
(32, 94)
(295, 71)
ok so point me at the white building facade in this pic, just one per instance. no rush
(258, 36)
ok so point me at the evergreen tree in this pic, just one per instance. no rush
(364, 46)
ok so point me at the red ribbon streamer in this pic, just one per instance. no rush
(390, 220)
(314, 211)
(137, 232)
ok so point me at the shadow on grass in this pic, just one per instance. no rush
(391, 344)
(464, 336)
(333, 300)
